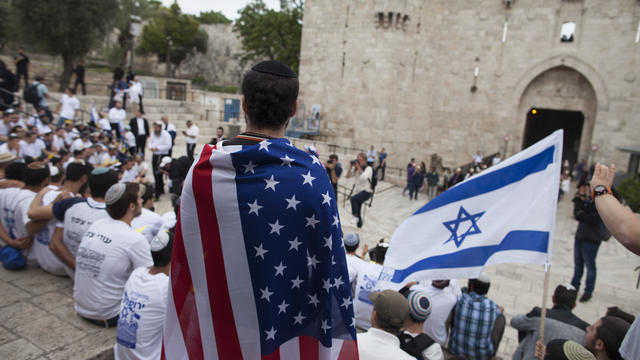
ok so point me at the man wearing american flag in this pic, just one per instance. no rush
(258, 269)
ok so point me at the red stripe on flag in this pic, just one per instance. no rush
(309, 348)
(273, 356)
(184, 297)
(162, 355)
(224, 325)
(349, 350)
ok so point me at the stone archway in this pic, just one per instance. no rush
(562, 93)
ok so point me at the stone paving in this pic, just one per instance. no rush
(37, 319)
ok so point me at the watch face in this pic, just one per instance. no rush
(600, 188)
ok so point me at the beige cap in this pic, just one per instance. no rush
(391, 306)
(6, 157)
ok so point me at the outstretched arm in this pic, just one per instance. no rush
(623, 224)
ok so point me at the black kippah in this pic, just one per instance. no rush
(276, 68)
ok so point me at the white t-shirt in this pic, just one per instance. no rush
(355, 265)
(5, 148)
(162, 142)
(168, 220)
(58, 142)
(193, 131)
(140, 124)
(76, 144)
(117, 115)
(377, 344)
(142, 311)
(104, 124)
(33, 149)
(9, 200)
(363, 181)
(108, 253)
(4, 128)
(148, 223)
(442, 302)
(130, 138)
(99, 158)
(77, 219)
(128, 176)
(137, 168)
(47, 260)
(366, 282)
(69, 106)
(477, 159)
(21, 219)
(630, 347)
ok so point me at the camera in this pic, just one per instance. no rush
(353, 162)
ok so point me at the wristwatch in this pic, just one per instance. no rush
(600, 190)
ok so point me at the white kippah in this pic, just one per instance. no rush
(160, 241)
(114, 193)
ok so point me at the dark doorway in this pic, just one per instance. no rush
(542, 122)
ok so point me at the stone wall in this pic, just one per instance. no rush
(399, 74)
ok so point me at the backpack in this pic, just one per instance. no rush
(414, 346)
(30, 94)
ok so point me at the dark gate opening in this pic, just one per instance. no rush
(543, 122)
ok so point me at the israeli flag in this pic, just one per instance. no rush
(504, 214)
(94, 114)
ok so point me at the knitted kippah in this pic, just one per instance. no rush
(275, 68)
(114, 193)
(419, 305)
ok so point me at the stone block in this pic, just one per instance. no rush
(20, 313)
(19, 349)
(89, 347)
(52, 300)
(41, 282)
(6, 336)
(49, 332)
(11, 294)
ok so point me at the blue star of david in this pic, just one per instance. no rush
(454, 225)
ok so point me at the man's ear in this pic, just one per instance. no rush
(295, 109)
(599, 345)
(244, 104)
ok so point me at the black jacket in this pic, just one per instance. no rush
(590, 226)
(133, 123)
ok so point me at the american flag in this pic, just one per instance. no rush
(258, 268)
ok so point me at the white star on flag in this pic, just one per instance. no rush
(260, 251)
(312, 261)
(280, 269)
(264, 145)
(308, 179)
(328, 241)
(325, 326)
(313, 299)
(286, 160)
(326, 284)
(254, 207)
(336, 221)
(271, 183)
(271, 334)
(292, 202)
(266, 294)
(346, 302)
(315, 160)
(296, 282)
(275, 227)
(249, 167)
(298, 318)
(327, 198)
(282, 308)
(294, 244)
(338, 282)
(311, 221)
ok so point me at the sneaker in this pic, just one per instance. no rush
(585, 297)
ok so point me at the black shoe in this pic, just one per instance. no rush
(585, 297)
(359, 223)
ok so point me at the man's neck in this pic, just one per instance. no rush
(72, 186)
(97, 199)
(153, 270)
(34, 188)
(265, 132)
(414, 328)
(127, 218)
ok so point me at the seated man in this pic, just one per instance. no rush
(412, 339)
(144, 303)
(566, 349)
(365, 283)
(443, 295)
(605, 336)
(108, 253)
(390, 310)
(148, 223)
(354, 262)
(478, 323)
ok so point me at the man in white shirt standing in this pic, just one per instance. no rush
(390, 310)
(362, 190)
(68, 106)
(171, 129)
(191, 138)
(144, 304)
(116, 117)
(159, 144)
(108, 253)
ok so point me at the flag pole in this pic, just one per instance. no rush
(545, 295)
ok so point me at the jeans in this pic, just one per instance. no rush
(357, 200)
(383, 168)
(584, 254)
(432, 191)
(190, 149)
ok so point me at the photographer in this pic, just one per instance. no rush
(334, 170)
(362, 186)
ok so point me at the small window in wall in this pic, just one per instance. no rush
(567, 32)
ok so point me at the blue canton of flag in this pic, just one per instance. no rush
(294, 245)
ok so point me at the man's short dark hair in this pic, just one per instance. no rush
(118, 209)
(75, 170)
(351, 249)
(15, 171)
(163, 257)
(99, 184)
(35, 173)
(612, 331)
(148, 192)
(564, 296)
(270, 99)
(333, 157)
(479, 287)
